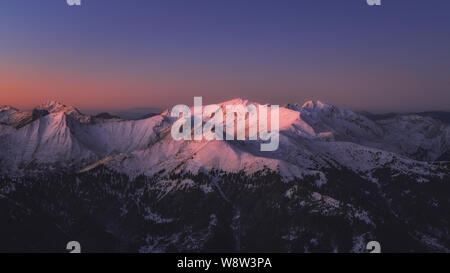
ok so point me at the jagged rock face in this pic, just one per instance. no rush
(37, 114)
(13, 117)
(17, 119)
(333, 168)
(57, 107)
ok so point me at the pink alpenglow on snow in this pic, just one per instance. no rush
(239, 119)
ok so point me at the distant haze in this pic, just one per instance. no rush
(116, 55)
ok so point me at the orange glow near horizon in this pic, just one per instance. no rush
(25, 87)
(159, 54)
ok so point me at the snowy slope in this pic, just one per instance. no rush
(343, 124)
(109, 138)
(46, 141)
(13, 117)
(421, 138)
(418, 137)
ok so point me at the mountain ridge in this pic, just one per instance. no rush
(311, 130)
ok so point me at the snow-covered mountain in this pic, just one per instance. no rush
(333, 165)
(412, 135)
(52, 107)
(312, 136)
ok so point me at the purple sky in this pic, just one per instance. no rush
(120, 54)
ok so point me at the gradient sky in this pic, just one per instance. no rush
(116, 54)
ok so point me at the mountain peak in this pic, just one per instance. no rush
(315, 104)
(236, 101)
(53, 106)
(7, 107)
(309, 105)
